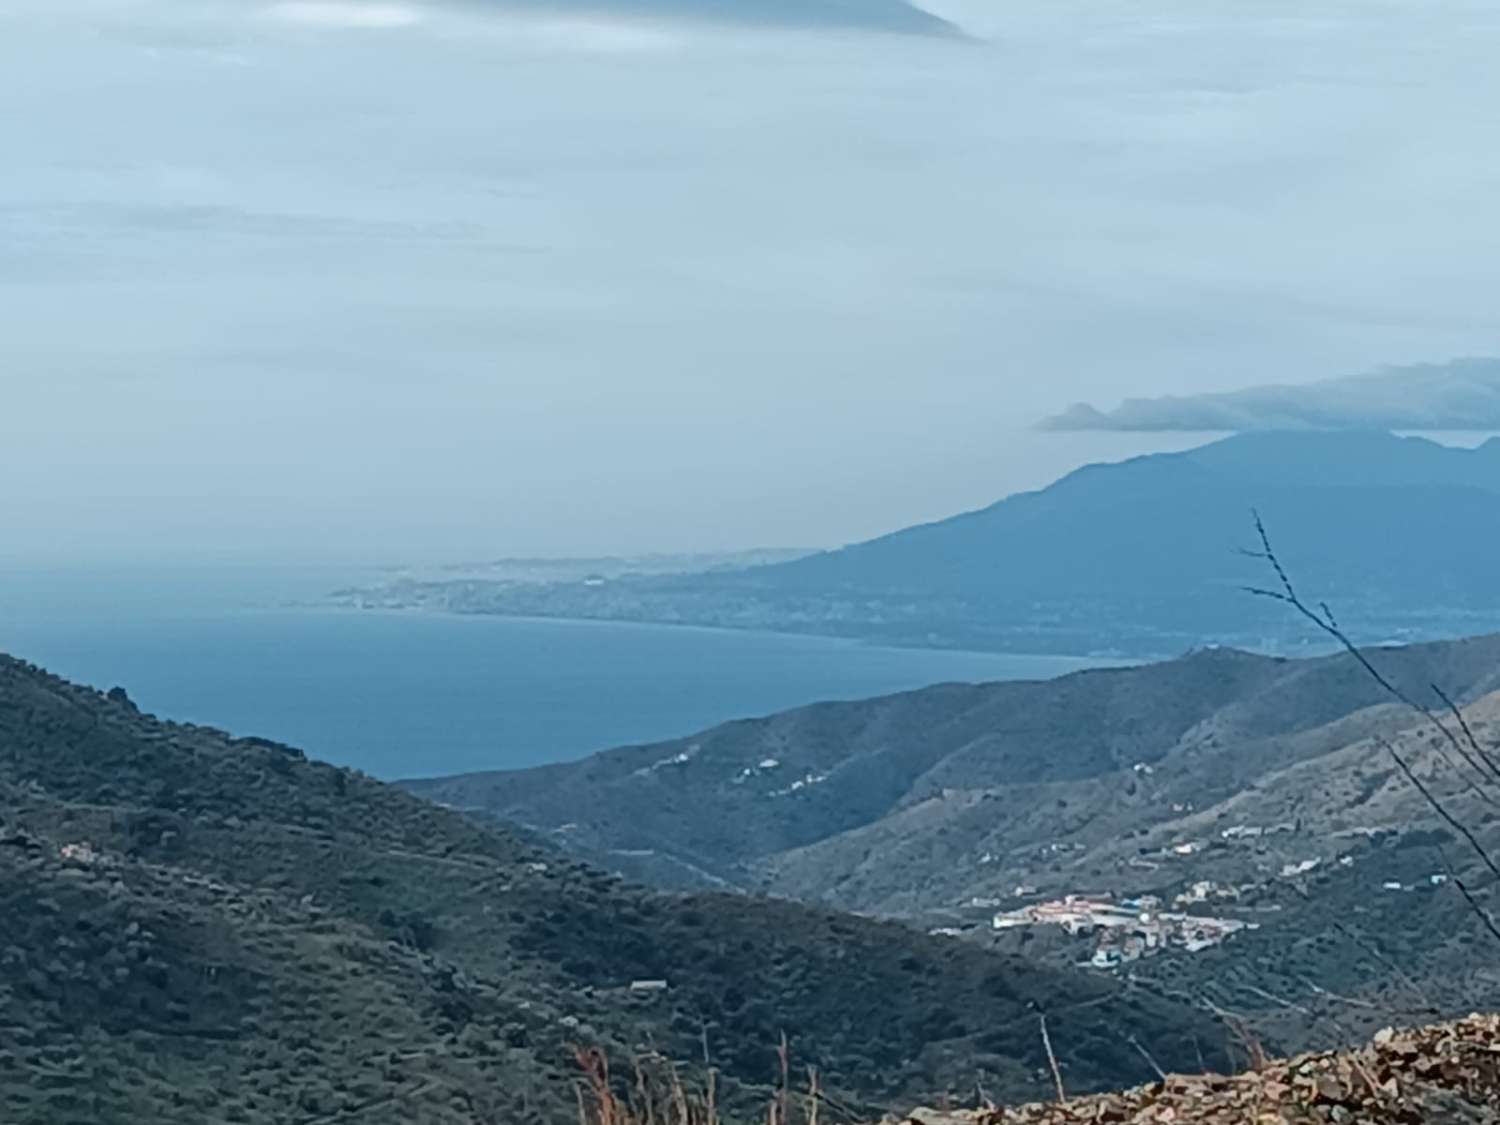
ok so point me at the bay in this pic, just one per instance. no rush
(407, 695)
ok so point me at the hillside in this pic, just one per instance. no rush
(1220, 767)
(888, 804)
(1138, 557)
(196, 926)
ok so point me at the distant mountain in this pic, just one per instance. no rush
(935, 805)
(896, 16)
(1461, 395)
(197, 927)
(1139, 557)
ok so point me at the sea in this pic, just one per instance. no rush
(413, 694)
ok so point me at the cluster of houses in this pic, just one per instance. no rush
(1127, 930)
(1203, 891)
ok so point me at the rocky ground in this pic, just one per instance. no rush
(1447, 1073)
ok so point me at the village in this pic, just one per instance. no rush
(1130, 929)
(1124, 929)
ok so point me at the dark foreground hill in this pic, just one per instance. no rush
(1263, 782)
(1138, 557)
(195, 927)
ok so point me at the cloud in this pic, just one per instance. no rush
(897, 16)
(344, 14)
(1460, 395)
(613, 26)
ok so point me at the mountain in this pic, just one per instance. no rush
(1463, 394)
(201, 927)
(1221, 767)
(1139, 558)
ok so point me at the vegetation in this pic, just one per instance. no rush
(195, 926)
(911, 792)
(936, 805)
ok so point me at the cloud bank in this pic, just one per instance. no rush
(1461, 395)
(324, 13)
(897, 16)
(510, 281)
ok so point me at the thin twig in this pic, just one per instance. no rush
(1463, 725)
(1430, 1008)
(1062, 1097)
(784, 1058)
(1327, 624)
(1288, 596)
(1437, 805)
(1463, 889)
(1145, 1054)
(1239, 1027)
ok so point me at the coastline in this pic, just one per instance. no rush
(1102, 658)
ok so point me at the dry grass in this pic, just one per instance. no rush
(657, 1094)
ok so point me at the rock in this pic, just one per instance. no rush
(1443, 1073)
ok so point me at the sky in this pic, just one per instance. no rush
(400, 281)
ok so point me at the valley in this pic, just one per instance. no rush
(1226, 827)
(197, 926)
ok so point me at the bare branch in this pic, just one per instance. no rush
(1429, 1007)
(1485, 915)
(1145, 1054)
(1463, 725)
(1062, 1097)
(1329, 626)
(1437, 806)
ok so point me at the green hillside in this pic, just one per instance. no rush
(197, 927)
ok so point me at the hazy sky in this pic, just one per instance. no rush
(400, 281)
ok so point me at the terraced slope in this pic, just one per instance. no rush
(912, 802)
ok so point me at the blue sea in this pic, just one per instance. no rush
(410, 695)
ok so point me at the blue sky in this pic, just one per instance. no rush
(398, 280)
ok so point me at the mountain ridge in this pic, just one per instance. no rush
(1136, 558)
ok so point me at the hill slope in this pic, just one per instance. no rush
(888, 804)
(1258, 776)
(1136, 557)
(197, 926)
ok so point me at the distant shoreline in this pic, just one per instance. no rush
(1097, 658)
